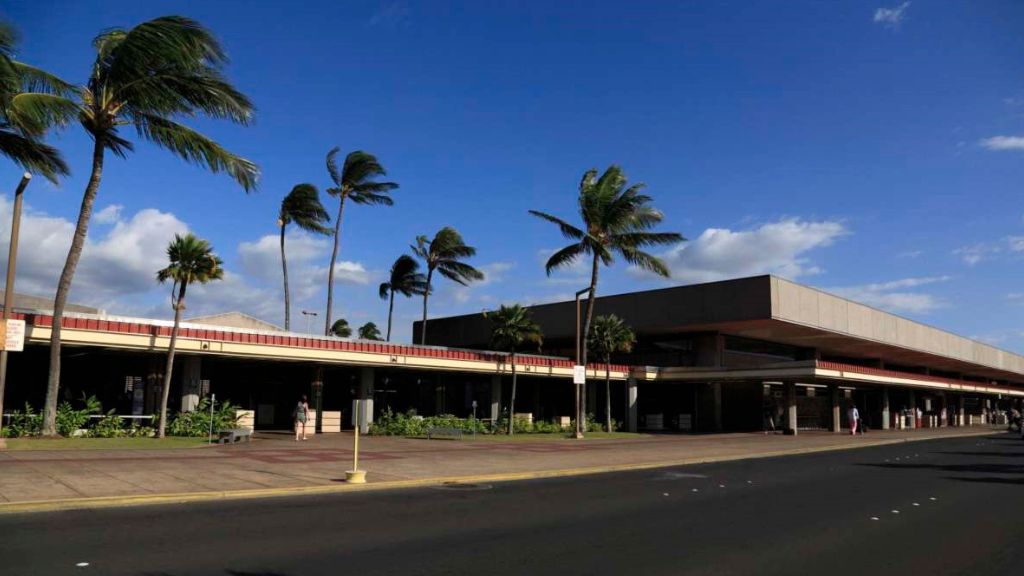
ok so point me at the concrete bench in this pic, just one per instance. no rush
(232, 435)
(444, 432)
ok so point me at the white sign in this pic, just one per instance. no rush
(15, 336)
(579, 374)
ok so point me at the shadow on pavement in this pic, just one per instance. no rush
(990, 480)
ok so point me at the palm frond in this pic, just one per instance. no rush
(33, 155)
(34, 113)
(645, 261)
(641, 239)
(35, 79)
(332, 165)
(302, 206)
(568, 230)
(565, 257)
(169, 92)
(198, 149)
(167, 42)
(459, 272)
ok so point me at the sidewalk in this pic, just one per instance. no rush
(274, 464)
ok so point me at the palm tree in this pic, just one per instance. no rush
(191, 261)
(444, 254)
(356, 180)
(609, 335)
(301, 206)
(369, 331)
(404, 279)
(164, 68)
(340, 328)
(511, 327)
(616, 220)
(31, 101)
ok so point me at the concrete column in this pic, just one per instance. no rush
(190, 388)
(495, 397)
(833, 393)
(631, 408)
(960, 412)
(363, 417)
(912, 405)
(885, 408)
(791, 421)
(716, 394)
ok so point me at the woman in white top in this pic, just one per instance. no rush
(854, 417)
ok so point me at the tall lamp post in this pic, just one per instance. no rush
(12, 257)
(579, 353)
(309, 314)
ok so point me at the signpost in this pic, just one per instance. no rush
(14, 330)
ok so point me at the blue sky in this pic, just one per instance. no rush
(874, 149)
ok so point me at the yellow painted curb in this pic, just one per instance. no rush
(181, 498)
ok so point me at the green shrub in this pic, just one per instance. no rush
(69, 420)
(197, 422)
(109, 426)
(409, 424)
(27, 423)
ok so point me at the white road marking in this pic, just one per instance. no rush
(82, 564)
(694, 490)
(933, 498)
(665, 494)
(874, 517)
(895, 511)
(916, 504)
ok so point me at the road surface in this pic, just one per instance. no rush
(938, 507)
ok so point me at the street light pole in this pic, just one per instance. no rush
(578, 388)
(309, 314)
(12, 257)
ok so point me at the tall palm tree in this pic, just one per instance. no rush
(191, 261)
(355, 181)
(445, 254)
(303, 208)
(609, 335)
(617, 219)
(340, 328)
(164, 68)
(31, 101)
(369, 331)
(405, 279)
(511, 327)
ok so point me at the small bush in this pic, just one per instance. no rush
(109, 426)
(69, 420)
(27, 423)
(197, 423)
(410, 424)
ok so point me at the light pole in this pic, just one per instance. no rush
(309, 314)
(579, 352)
(12, 257)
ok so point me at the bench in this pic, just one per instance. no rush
(232, 435)
(444, 432)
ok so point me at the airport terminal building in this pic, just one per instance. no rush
(736, 355)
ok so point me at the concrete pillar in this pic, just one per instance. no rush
(363, 417)
(495, 398)
(960, 412)
(885, 408)
(833, 394)
(191, 368)
(716, 395)
(912, 406)
(631, 408)
(316, 389)
(791, 421)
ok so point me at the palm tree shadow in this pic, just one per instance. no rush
(990, 480)
(229, 572)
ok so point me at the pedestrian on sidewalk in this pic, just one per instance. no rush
(769, 419)
(300, 415)
(854, 417)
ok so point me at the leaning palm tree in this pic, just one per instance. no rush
(355, 181)
(303, 208)
(31, 102)
(616, 220)
(445, 254)
(511, 327)
(609, 335)
(143, 77)
(369, 331)
(405, 279)
(340, 328)
(191, 261)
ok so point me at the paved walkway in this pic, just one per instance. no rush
(275, 461)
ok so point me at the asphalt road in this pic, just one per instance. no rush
(938, 507)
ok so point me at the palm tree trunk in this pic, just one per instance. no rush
(426, 294)
(165, 393)
(287, 298)
(391, 310)
(608, 394)
(586, 332)
(512, 401)
(330, 272)
(64, 286)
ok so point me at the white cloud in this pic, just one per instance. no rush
(1016, 298)
(1001, 143)
(893, 296)
(776, 248)
(891, 17)
(975, 253)
(1016, 243)
(494, 273)
(307, 266)
(109, 215)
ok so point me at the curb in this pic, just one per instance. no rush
(259, 493)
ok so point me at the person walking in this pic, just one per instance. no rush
(854, 417)
(300, 416)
